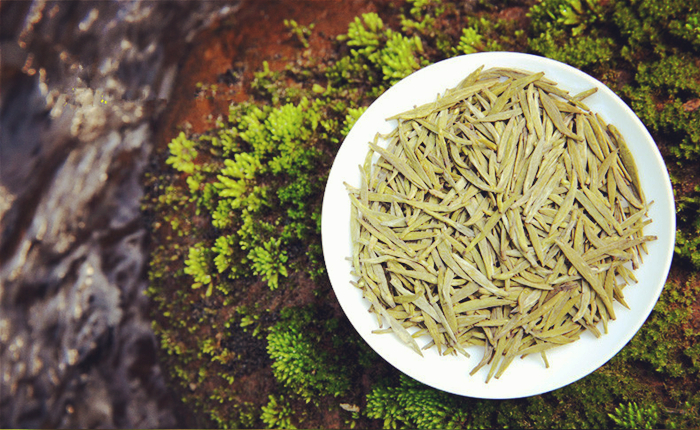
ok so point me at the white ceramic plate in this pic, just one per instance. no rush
(524, 377)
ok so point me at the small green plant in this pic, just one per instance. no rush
(678, 16)
(247, 415)
(378, 53)
(269, 262)
(482, 34)
(568, 31)
(183, 153)
(301, 32)
(364, 35)
(414, 405)
(300, 363)
(224, 248)
(470, 41)
(398, 58)
(351, 118)
(575, 15)
(691, 29)
(197, 266)
(582, 52)
(291, 127)
(422, 16)
(277, 414)
(632, 416)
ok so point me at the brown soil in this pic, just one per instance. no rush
(229, 52)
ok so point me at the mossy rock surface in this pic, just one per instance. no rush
(251, 333)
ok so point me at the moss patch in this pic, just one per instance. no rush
(251, 333)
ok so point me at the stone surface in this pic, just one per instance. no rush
(82, 86)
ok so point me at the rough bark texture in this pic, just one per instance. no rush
(82, 87)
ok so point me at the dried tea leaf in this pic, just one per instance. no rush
(505, 214)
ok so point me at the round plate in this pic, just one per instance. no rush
(528, 376)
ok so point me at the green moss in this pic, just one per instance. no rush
(197, 266)
(688, 244)
(421, 16)
(469, 42)
(689, 30)
(377, 54)
(183, 153)
(301, 32)
(669, 320)
(299, 361)
(567, 31)
(677, 16)
(587, 403)
(237, 209)
(413, 405)
(632, 416)
(581, 52)
(224, 249)
(584, 404)
(482, 34)
(265, 144)
(664, 86)
(351, 117)
(574, 16)
(269, 261)
(278, 414)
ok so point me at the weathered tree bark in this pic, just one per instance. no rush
(82, 85)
